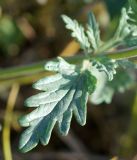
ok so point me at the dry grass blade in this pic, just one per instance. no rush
(7, 122)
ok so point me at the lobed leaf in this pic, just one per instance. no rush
(123, 29)
(93, 32)
(63, 95)
(77, 32)
(105, 64)
(122, 81)
(126, 64)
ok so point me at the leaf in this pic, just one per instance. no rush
(90, 40)
(126, 32)
(77, 32)
(60, 66)
(105, 95)
(133, 4)
(126, 64)
(97, 96)
(104, 64)
(63, 95)
(132, 17)
(122, 81)
(93, 32)
(119, 83)
(130, 41)
(123, 29)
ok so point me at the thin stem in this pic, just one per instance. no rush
(124, 54)
(72, 47)
(7, 122)
(22, 70)
(106, 46)
(37, 68)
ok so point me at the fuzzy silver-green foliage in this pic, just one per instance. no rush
(88, 38)
(126, 32)
(123, 80)
(133, 4)
(66, 93)
(93, 32)
(104, 64)
(77, 32)
(123, 29)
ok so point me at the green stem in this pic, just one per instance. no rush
(106, 46)
(124, 54)
(31, 69)
(28, 70)
(22, 70)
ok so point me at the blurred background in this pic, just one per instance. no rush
(31, 31)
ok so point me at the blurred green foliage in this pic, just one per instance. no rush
(10, 36)
(43, 18)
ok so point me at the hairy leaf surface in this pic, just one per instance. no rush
(105, 64)
(77, 32)
(133, 12)
(93, 32)
(123, 29)
(63, 95)
(122, 81)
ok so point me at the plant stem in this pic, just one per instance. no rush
(31, 69)
(22, 70)
(106, 46)
(124, 54)
(28, 70)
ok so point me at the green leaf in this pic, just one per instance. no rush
(105, 95)
(89, 41)
(63, 95)
(126, 64)
(60, 66)
(122, 81)
(130, 41)
(133, 4)
(97, 96)
(77, 32)
(119, 83)
(123, 29)
(132, 17)
(104, 69)
(93, 32)
(105, 64)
